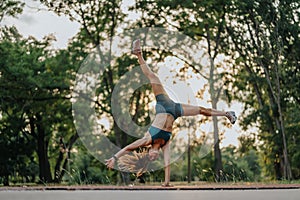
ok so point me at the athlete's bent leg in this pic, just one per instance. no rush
(190, 110)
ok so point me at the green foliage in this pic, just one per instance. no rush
(293, 119)
(35, 107)
(237, 167)
(203, 21)
(267, 48)
(99, 22)
(261, 38)
(84, 169)
(241, 167)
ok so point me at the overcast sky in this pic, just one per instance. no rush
(38, 22)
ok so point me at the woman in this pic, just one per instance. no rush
(167, 111)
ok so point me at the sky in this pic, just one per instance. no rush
(36, 21)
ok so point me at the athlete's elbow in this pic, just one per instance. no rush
(144, 141)
(128, 148)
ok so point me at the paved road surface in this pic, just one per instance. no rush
(281, 194)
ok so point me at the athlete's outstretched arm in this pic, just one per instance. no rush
(146, 140)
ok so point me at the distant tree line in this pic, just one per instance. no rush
(259, 40)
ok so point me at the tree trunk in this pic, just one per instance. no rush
(42, 148)
(189, 157)
(118, 135)
(214, 99)
(65, 150)
(57, 172)
(217, 152)
(287, 172)
(6, 180)
(44, 166)
(277, 113)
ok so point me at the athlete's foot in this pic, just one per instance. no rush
(231, 116)
(136, 47)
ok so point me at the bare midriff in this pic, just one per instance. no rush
(163, 121)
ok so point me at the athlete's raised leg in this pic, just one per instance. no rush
(153, 78)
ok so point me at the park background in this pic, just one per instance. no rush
(252, 50)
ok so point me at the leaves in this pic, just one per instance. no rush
(260, 37)
(34, 96)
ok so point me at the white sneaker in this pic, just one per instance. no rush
(231, 116)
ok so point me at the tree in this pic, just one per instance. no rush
(35, 90)
(207, 26)
(99, 22)
(262, 35)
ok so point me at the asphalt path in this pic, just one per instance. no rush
(251, 194)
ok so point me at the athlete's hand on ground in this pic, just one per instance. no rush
(110, 163)
(167, 185)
